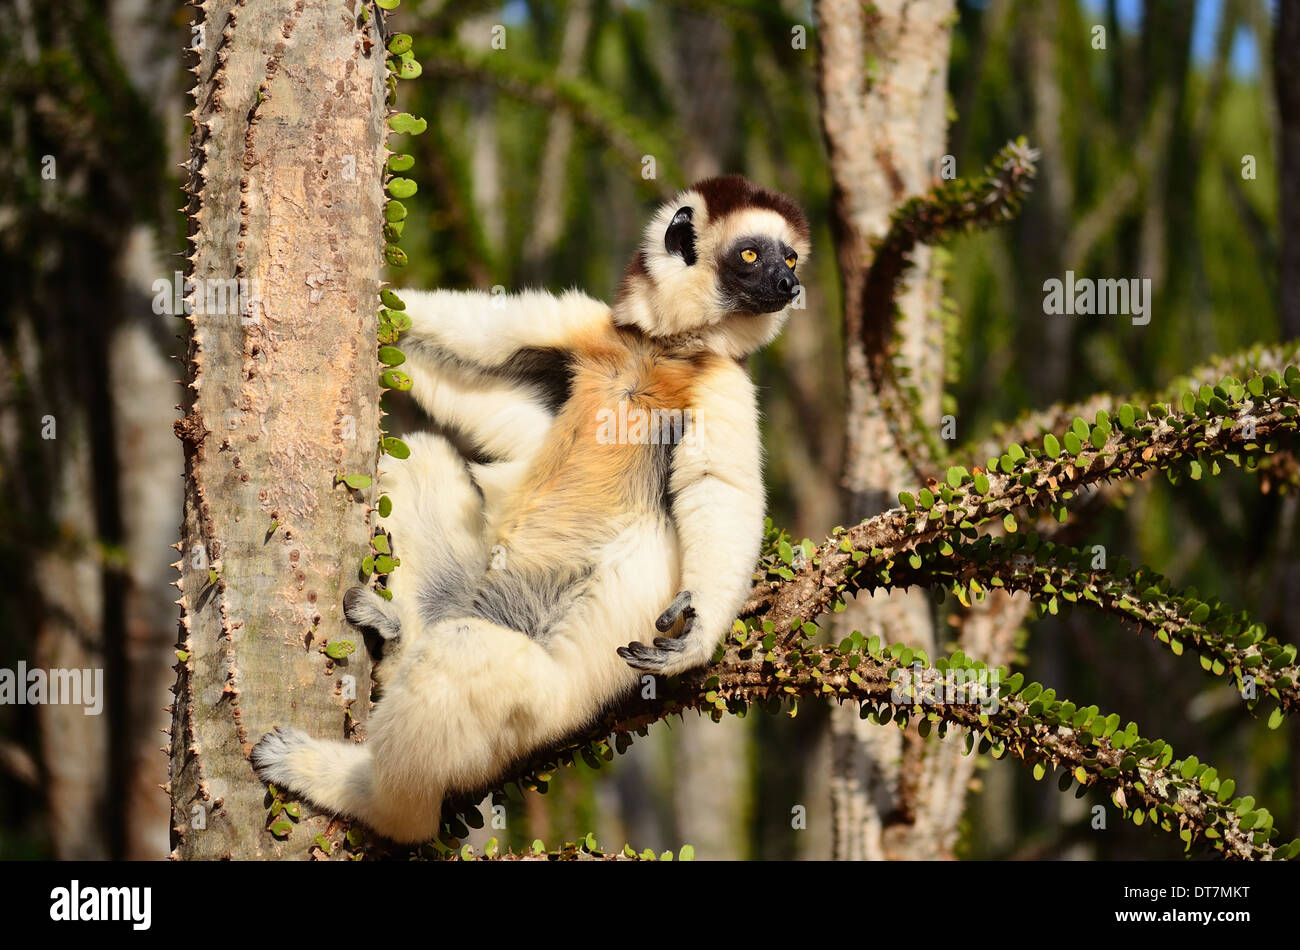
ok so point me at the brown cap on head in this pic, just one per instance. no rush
(728, 193)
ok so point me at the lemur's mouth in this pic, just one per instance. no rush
(771, 305)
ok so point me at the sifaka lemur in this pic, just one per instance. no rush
(605, 528)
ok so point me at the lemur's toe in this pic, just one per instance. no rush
(271, 753)
(370, 613)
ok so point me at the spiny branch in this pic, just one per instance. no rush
(1056, 575)
(1213, 426)
(1032, 426)
(998, 711)
(946, 210)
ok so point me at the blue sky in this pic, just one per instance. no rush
(1245, 56)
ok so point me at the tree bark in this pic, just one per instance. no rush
(883, 86)
(282, 400)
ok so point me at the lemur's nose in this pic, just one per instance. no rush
(787, 284)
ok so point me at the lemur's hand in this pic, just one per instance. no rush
(672, 655)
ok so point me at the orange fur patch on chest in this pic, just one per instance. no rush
(609, 449)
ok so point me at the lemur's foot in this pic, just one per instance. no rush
(670, 655)
(654, 659)
(370, 613)
(272, 754)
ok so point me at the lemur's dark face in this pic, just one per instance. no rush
(755, 271)
(757, 274)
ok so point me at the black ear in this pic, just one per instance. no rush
(679, 239)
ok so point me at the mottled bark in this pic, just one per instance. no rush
(282, 400)
(883, 87)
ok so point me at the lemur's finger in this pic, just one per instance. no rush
(367, 611)
(669, 617)
(644, 658)
(670, 644)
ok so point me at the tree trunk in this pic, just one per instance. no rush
(282, 400)
(885, 130)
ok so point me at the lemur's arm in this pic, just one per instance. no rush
(501, 417)
(718, 503)
(489, 331)
(492, 366)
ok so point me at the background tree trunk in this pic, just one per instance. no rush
(883, 84)
(286, 173)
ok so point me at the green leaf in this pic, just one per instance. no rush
(981, 483)
(394, 211)
(281, 828)
(388, 4)
(380, 542)
(357, 481)
(1275, 718)
(907, 501)
(396, 448)
(1009, 522)
(394, 255)
(391, 356)
(340, 649)
(407, 124)
(400, 163)
(1051, 446)
(408, 68)
(400, 43)
(1072, 443)
(393, 379)
(955, 476)
(687, 853)
(402, 187)
(390, 299)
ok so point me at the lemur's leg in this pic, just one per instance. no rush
(717, 490)
(467, 698)
(439, 536)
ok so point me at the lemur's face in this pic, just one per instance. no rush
(757, 274)
(717, 264)
(749, 253)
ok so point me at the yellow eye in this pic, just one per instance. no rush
(789, 261)
(748, 256)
